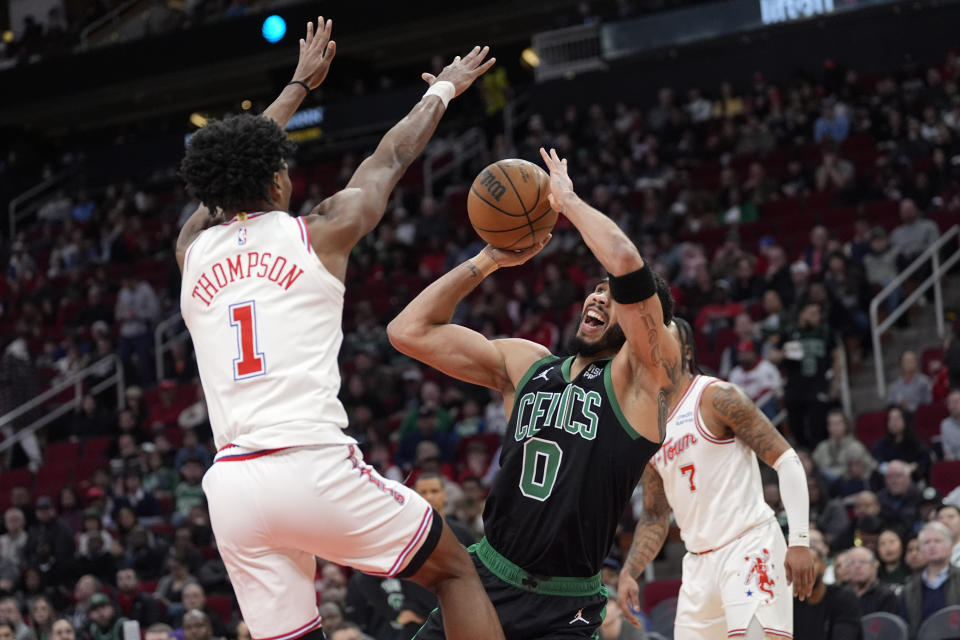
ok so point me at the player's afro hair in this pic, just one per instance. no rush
(230, 163)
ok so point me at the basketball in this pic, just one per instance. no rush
(508, 205)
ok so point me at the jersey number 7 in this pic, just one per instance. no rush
(689, 468)
(250, 362)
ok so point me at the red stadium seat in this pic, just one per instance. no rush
(96, 447)
(929, 355)
(85, 467)
(50, 478)
(222, 606)
(927, 420)
(61, 452)
(945, 476)
(871, 427)
(658, 591)
(15, 478)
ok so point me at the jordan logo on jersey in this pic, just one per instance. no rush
(758, 568)
(579, 618)
(543, 374)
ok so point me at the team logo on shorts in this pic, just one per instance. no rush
(579, 618)
(758, 571)
(242, 236)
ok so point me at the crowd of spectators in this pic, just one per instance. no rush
(109, 524)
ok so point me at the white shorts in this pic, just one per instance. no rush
(724, 589)
(273, 511)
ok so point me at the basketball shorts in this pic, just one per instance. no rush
(725, 588)
(531, 607)
(272, 511)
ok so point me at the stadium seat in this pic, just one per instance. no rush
(929, 355)
(61, 452)
(659, 590)
(96, 447)
(883, 626)
(50, 478)
(871, 427)
(943, 625)
(222, 606)
(945, 476)
(927, 420)
(85, 466)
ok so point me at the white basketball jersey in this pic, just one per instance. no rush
(265, 317)
(712, 484)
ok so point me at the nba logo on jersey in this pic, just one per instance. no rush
(242, 236)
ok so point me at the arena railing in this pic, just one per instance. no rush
(938, 271)
(163, 341)
(110, 18)
(444, 156)
(32, 199)
(571, 50)
(76, 381)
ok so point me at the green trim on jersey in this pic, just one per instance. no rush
(529, 374)
(517, 577)
(615, 404)
(565, 369)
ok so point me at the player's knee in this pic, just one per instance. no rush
(448, 561)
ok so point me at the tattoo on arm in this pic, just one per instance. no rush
(663, 411)
(652, 527)
(473, 270)
(739, 413)
(670, 366)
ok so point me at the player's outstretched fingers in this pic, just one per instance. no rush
(628, 598)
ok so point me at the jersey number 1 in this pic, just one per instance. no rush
(689, 468)
(250, 362)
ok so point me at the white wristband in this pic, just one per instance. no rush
(444, 90)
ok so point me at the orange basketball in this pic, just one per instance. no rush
(508, 205)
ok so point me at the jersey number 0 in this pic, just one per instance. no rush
(250, 362)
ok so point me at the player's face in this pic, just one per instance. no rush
(598, 330)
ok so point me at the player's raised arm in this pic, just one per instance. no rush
(423, 330)
(633, 284)
(726, 406)
(648, 538)
(342, 219)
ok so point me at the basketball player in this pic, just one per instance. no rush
(738, 567)
(581, 428)
(262, 295)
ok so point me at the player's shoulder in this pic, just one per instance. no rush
(520, 355)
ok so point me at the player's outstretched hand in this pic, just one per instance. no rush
(505, 258)
(801, 573)
(463, 71)
(316, 53)
(561, 186)
(628, 597)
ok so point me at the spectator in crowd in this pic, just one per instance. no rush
(833, 454)
(832, 125)
(880, 266)
(830, 612)
(829, 514)
(143, 503)
(866, 510)
(757, 377)
(902, 443)
(912, 388)
(834, 173)
(10, 612)
(161, 631)
(42, 617)
(79, 614)
(19, 384)
(170, 586)
(900, 498)
(856, 478)
(808, 352)
(194, 598)
(432, 487)
(949, 515)
(159, 479)
(196, 626)
(347, 631)
(104, 623)
(914, 235)
(892, 571)
(136, 310)
(7, 631)
(874, 596)
(743, 329)
(53, 530)
(938, 585)
(188, 493)
(63, 630)
(132, 601)
(243, 631)
(192, 449)
(949, 428)
(13, 543)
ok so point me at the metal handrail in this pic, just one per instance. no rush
(74, 380)
(470, 144)
(29, 194)
(877, 328)
(104, 19)
(162, 345)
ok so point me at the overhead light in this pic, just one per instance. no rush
(530, 57)
(245, 105)
(8, 36)
(198, 120)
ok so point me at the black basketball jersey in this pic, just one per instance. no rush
(569, 464)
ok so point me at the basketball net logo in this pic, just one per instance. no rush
(758, 567)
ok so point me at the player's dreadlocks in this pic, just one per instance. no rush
(687, 341)
(229, 164)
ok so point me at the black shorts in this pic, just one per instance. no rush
(527, 615)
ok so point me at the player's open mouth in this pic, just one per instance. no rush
(593, 321)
